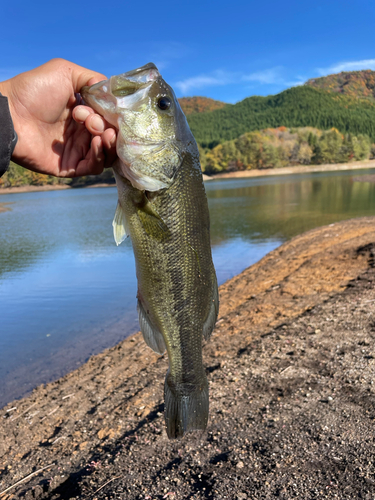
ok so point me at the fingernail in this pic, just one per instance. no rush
(81, 114)
(97, 124)
(112, 142)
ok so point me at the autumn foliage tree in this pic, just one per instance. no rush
(282, 146)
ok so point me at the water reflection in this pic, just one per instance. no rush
(41, 223)
(258, 209)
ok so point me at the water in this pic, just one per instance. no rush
(67, 291)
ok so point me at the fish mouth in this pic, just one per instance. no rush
(125, 84)
(148, 72)
(107, 92)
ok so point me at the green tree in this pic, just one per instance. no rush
(329, 148)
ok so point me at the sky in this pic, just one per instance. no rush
(224, 50)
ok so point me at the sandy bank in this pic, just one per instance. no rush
(291, 366)
(298, 170)
(27, 189)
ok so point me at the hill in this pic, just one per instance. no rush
(351, 83)
(198, 104)
(303, 106)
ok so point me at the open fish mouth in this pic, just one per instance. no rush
(120, 86)
(148, 72)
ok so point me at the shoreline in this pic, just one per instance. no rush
(368, 164)
(290, 366)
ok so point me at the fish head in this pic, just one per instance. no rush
(153, 134)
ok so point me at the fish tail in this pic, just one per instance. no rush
(186, 407)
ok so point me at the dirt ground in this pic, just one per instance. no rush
(291, 366)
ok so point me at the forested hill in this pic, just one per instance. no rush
(296, 107)
(351, 83)
(198, 104)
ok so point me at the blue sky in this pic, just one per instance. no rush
(224, 50)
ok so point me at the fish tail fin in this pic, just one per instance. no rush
(185, 410)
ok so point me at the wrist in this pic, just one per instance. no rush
(8, 137)
(5, 90)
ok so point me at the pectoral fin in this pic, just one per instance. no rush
(152, 223)
(119, 225)
(151, 335)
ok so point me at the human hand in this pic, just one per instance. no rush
(56, 134)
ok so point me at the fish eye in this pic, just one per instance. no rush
(164, 103)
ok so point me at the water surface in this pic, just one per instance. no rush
(67, 291)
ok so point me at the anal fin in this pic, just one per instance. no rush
(151, 335)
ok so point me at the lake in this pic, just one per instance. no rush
(67, 291)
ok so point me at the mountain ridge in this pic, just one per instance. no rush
(299, 106)
(360, 84)
(199, 104)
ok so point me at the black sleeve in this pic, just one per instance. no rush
(8, 137)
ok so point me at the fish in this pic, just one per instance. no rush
(162, 206)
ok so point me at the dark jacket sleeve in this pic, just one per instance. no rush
(8, 137)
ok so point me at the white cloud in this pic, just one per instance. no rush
(268, 76)
(348, 66)
(273, 76)
(197, 82)
(296, 83)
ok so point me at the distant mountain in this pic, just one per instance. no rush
(351, 83)
(192, 105)
(303, 106)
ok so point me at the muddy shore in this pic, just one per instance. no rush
(291, 366)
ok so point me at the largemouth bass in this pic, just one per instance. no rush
(163, 208)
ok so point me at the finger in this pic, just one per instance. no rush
(96, 79)
(82, 76)
(81, 113)
(95, 124)
(93, 164)
(109, 145)
(109, 139)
